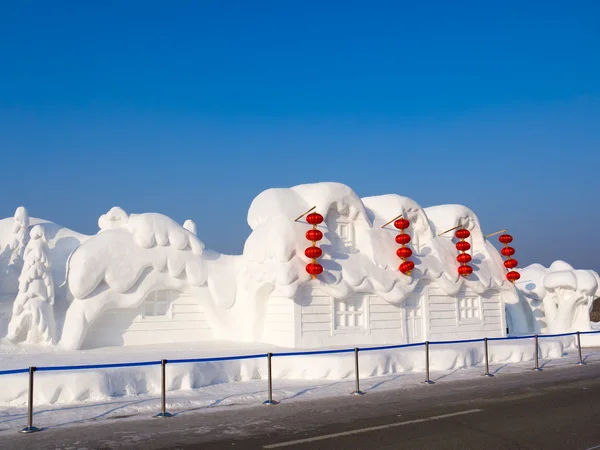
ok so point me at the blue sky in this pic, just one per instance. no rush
(193, 108)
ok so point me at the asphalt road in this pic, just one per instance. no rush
(555, 409)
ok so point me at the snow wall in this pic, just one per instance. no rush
(57, 284)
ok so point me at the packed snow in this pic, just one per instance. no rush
(67, 298)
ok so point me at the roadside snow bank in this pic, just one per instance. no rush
(93, 385)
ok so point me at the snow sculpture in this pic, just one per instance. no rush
(33, 316)
(560, 298)
(144, 277)
(190, 225)
(20, 236)
(360, 270)
(16, 247)
(132, 256)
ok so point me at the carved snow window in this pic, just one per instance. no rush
(469, 309)
(157, 303)
(350, 314)
(344, 233)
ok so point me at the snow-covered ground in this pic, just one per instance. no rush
(64, 398)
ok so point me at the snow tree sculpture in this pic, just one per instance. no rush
(33, 316)
(568, 300)
(20, 237)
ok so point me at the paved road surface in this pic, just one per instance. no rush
(555, 409)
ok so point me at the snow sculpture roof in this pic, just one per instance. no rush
(274, 252)
(128, 245)
(291, 202)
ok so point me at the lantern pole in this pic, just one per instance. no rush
(451, 229)
(301, 216)
(394, 219)
(495, 233)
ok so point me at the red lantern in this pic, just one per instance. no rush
(403, 239)
(314, 218)
(462, 246)
(314, 235)
(464, 258)
(402, 224)
(510, 263)
(507, 251)
(313, 252)
(404, 252)
(465, 270)
(314, 269)
(406, 267)
(513, 276)
(462, 233)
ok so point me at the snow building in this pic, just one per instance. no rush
(143, 279)
(361, 298)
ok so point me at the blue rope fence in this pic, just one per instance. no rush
(30, 428)
(280, 354)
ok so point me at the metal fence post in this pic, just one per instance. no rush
(580, 363)
(163, 391)
(537, 355)
(427, 380)
(357, 390)
(487, 359)
(270, 400)
(30, 428)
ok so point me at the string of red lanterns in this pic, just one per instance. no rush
(510, 262)
(314, 252)
(404, 252)
(463, 258)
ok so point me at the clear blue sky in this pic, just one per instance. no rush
(193, 108)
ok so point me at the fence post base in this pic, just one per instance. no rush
(163, 391)
(581, 362)
(270, 401)
(28, 430)
(427, 379)
(356, 390)
(487, 359)
(537, 367)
